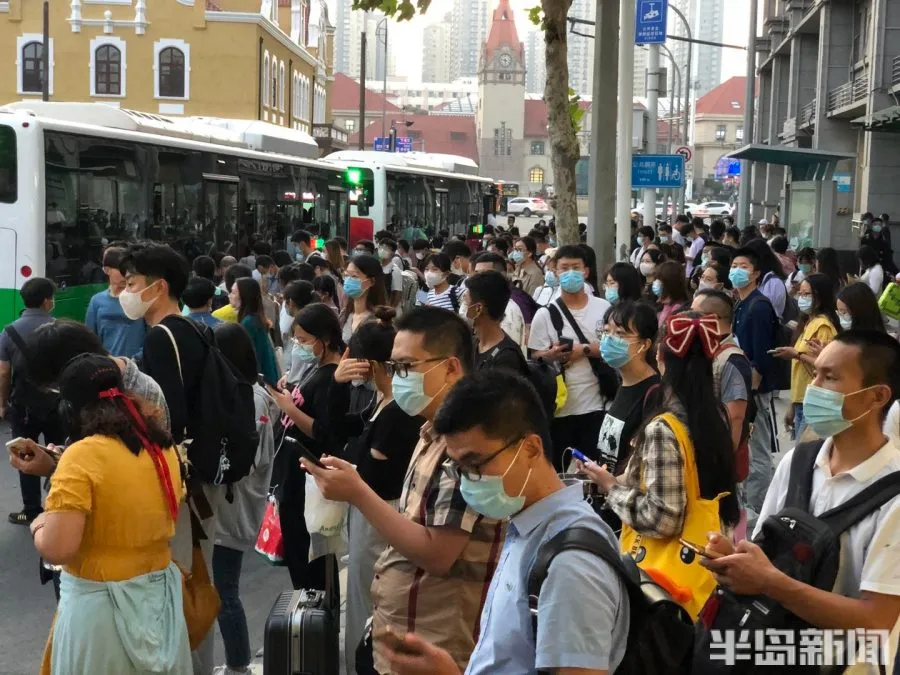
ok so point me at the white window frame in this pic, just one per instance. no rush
(281, 79)
(185, 48)
(122, 46)
(265, 79)
(21, 41)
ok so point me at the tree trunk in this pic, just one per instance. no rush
(564, 149)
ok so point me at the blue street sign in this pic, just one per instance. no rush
(734, 167)
(650, 22)
(843, 180)
(657, 171)
(403, 144)
(381, 143)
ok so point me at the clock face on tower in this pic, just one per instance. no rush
(505, 60)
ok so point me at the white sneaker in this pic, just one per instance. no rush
(225, 670)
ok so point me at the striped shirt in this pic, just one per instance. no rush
(448, 300)
(444, 610)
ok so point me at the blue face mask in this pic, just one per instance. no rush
(572, 281)
(823, 410)
(550, 279)
(739, 277)
(806, 268)
(638, 240)
(517, 257)
(488, 497)
(305, 352)
(353, 287)
(614, 350)
(657, 288)
(409, 391)
(664, 239)
(612, 294)
(805, 304)
(876, 229)
(846, 321)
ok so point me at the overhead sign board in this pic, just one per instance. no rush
(650, 22)
(383, 143)
(657, 171)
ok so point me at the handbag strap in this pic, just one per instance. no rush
(175, 347)
(686, 448)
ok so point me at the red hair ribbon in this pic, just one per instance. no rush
(153, 449)
(682, 330)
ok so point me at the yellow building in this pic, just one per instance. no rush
(269, 60)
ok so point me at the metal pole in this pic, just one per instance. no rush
(384, 83)
(624, 126)
(602, 162)
(653, 113)
(686, 83)
(45, 54)
(362, 90)
(749, 95)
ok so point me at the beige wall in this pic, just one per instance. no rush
(707, 149)
(532, 161)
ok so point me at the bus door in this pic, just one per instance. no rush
(337, 218)
(220, 212)
(10, 300)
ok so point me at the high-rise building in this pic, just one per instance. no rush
(436, 51)
(375, 46)
(535, 63)
(468, 30)
(342, 36)
(581, 49)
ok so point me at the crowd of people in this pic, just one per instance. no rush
(462, 397)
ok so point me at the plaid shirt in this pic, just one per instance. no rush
(444, 610)
(651, 496)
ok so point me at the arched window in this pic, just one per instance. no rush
(32, 67)
(536, 175)
(108, 70)
(171, 72)
(265, 80)
(274, 98)
(281, 87)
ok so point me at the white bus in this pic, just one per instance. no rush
(414, 193)
(68, 188)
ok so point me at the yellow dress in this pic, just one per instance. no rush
(128, 524)
(818, 328)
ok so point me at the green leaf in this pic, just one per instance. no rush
(576, 113)
(536, 15)
(399, 10)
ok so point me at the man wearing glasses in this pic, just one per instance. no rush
(498, 441)
(434, 574)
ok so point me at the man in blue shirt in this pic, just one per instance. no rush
(754, 328)
(498, 441)
(197, 299)
(120, 335)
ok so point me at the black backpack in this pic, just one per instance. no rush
(606, 375)
(541, 375)
(806, 548)
(781, 337)
(29, 401)
(221, 417)
(660, 632)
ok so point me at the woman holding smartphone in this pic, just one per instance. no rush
(317, 336)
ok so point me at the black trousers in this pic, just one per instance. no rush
(575, 431)
(27, 427)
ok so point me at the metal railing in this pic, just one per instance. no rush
(330, 132)
(850, 92)
(895, 71)
(807, 115)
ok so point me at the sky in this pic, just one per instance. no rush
(409, 34)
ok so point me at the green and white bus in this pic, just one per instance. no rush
(75, 177)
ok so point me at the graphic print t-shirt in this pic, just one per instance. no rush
(622, 421)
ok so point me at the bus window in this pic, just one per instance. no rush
(8, 164)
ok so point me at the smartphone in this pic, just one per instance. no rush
(392, 640)
(771, 351)
(304, 451)
(568, 343)
(17, 445)
(696, 548)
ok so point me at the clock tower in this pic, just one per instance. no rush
(500, 120)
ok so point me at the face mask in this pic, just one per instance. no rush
(739, 277)
(305, 352)
(823, 410)
(805, 305)
(647, 269)
(420, 255)
(705, 260)
(638, 240)
(614, 350)
(806, 268)
(488, 497)
(876, 228)
(705, 285)
(517, 257)
(465, 314)
(612, 294)
(409, 391)
(664, 239)
(458, 271)
(846, 321)
(657, 288)
(299, 257)
(432, 279)
(133, 305)
(385, 253)
(353, 287)
(552, 242)
(571, 281)
(550, 279)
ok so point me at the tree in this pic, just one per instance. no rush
(563, 111)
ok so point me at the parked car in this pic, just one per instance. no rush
(713, 209)
(527, 206)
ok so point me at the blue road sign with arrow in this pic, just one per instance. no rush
(657, 171)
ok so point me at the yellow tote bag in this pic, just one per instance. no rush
(671, 565)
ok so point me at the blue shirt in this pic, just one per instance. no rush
(206, 318)
(754, 328)
(582, 611)
(120, 335)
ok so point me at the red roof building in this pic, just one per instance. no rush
(718, 126)
(444, 134)
(726, 99)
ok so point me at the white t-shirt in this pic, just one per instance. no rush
(544, 295)
(870, 550)
(396, 277)
(892, 426)
(513, 324)
(874, 279)
(583, 390)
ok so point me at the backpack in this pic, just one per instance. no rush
(408, 292)
(806, 548)
(726, 350)
(781, 337)
(541, 375)
(34, 404)
(526, 303)
(454, 298)
(222, 417)
(660, 632)
(607, 379)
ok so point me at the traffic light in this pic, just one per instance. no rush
(353, 177)
(361, 181)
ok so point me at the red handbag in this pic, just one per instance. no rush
(269, 542)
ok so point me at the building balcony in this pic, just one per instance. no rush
(845, 100)
(895, 75)
(789, 130)
(806, 118)
(330, 138)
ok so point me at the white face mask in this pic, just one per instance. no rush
(420, 255)
(647, 268)
(432, 279)
(133, 305)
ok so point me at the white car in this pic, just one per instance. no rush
(527, 206)
(712, 209)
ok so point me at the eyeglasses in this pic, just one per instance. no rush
(401, 369)
(473, 472)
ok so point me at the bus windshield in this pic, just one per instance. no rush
(8, 164)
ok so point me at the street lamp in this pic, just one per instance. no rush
(45, 53)
(686, 82)
(385, 69)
